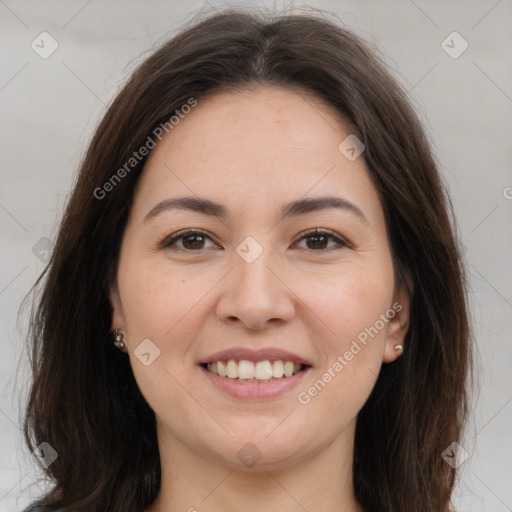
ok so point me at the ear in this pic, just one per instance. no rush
(399, 322)
(118, 321)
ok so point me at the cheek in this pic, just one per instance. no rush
(156, 300)
(350, 300)
(353, 335)
(351, 344)
(161, 305)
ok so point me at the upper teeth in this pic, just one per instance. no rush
(262, 370)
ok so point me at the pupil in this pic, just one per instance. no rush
(188, 237)
(316, 239)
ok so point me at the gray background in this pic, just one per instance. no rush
(49, 108)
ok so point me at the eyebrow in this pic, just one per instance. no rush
(293, 209)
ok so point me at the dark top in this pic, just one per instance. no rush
(38, 507)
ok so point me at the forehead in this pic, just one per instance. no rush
(252, 119)
(263, 145)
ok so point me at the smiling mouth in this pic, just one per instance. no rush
(251, 372)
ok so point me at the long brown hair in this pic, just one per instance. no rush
(84, 401)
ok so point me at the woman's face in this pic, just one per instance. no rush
(253, 281)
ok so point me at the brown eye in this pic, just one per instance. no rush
(318, 240)
(191, 240)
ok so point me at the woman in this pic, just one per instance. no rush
(255, 300)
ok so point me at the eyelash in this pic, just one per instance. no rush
(170, 241)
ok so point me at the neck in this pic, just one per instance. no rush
(194, 483)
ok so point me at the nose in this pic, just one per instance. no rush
(256, 294)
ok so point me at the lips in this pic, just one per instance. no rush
(250, 391)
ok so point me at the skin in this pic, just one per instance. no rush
(252, 152)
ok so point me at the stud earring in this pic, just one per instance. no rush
(118, 339)
(399, 347)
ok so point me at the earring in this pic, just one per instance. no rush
(118, 339)
(399, 347)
